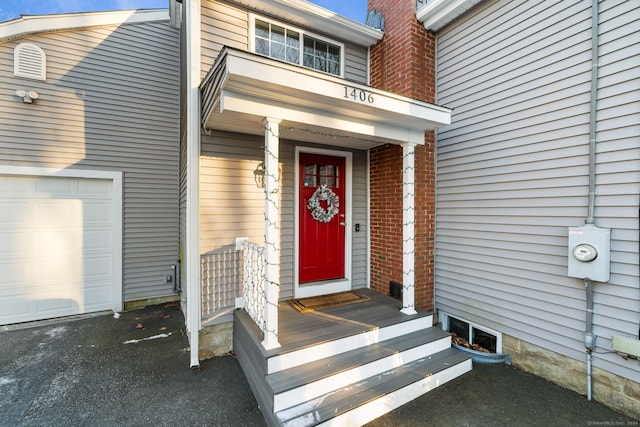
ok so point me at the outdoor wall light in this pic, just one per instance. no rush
(27, 96)
(258, 175)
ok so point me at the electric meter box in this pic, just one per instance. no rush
(589, 253)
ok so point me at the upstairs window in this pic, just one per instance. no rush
(294, 46)
(29, 61)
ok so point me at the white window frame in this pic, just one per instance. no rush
(443, 317)
(303, 33)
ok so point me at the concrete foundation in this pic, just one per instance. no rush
(216, 340)
(618, 393)
(142, 303)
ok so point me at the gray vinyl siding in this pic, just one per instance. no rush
(110, 102)
(227, 25)
(356, 63)
(360, 200)
(512, 171)
(232, 205)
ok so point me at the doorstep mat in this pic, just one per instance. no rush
(327, 301)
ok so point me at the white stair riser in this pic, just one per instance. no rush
(328, 349)
(385, 404)
(342, 379)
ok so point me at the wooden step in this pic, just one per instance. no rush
(296, 385)
(282, 359)
(372, 397)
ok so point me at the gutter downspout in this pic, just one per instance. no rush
(192, 245)
(589, 337)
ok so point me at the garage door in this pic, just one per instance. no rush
(58, 247)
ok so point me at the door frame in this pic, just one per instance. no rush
(329, 286)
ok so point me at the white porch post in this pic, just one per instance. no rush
(271, 231)
(408, 228)
(192, 238)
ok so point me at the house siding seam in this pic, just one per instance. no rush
(404, 63)
(513, 172)
(110, 102)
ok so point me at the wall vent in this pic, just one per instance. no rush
(29, 61)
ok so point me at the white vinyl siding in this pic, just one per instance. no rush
(232, 205)
(512, 171)
(110, 102)
(222, 25)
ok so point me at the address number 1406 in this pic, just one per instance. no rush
(358, 94)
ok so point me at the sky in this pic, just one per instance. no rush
(11, 9)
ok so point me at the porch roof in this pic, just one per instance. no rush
(243, 88)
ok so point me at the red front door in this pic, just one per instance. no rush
(322, 217)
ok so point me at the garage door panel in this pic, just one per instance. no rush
(97, 213)
(64, 213)
(95, 189)
(56, 246)
(16, 214)
(19, 187)
(51, 271)
(96, 268)
(52, 242)
(14, 274)
(55, 305)
(97, 296)
(15, 244)
(14, 307)
(97, 241)
(56, 186)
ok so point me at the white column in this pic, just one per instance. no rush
(192, 239)
(408, 228)
(271, 232)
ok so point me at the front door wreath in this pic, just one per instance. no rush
(323, 193)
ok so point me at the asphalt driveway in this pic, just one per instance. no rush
(133, 370)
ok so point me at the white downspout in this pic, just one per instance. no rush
(192, 244)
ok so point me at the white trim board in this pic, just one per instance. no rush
(31, 24)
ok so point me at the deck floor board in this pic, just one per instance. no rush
(298, 330)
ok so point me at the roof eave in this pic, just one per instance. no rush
(31, 24)
(435, 14)
(313, 16)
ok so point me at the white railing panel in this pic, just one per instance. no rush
(253, 292)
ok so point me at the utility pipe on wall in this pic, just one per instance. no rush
(593, 109)
(589, 337)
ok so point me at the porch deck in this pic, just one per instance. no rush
(298, 330)
(347, 364)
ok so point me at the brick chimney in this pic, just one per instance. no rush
(403, 62)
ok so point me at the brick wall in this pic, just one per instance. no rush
(403, 63)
